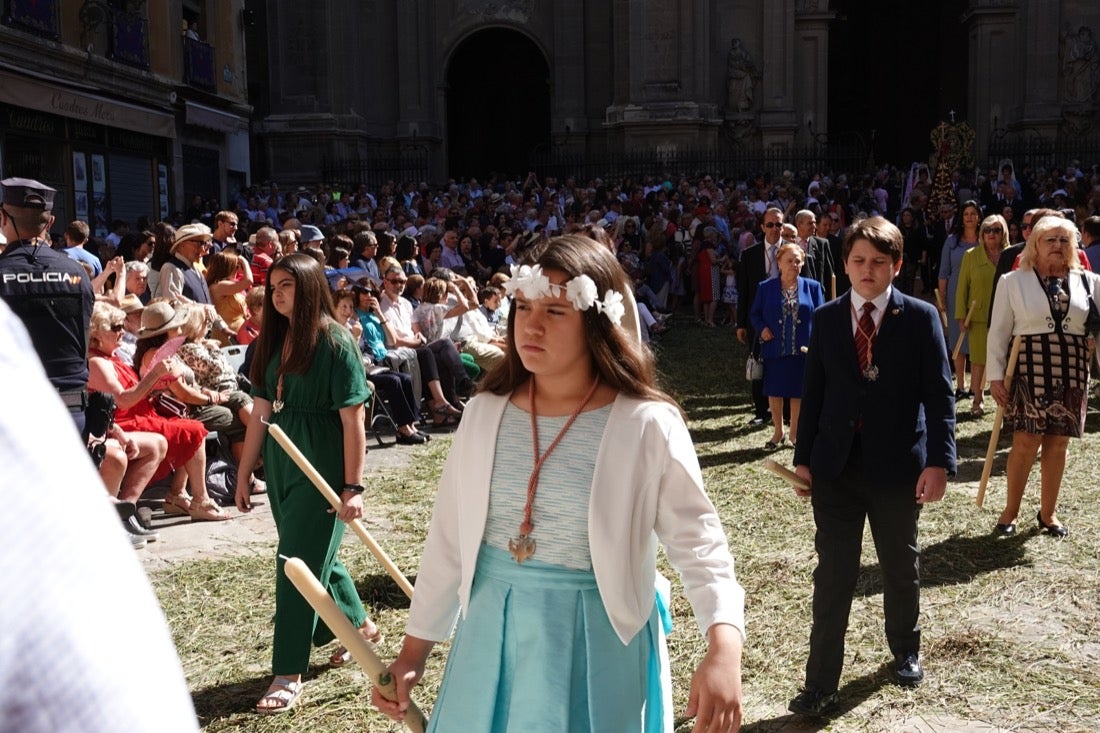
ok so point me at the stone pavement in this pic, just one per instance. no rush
(182, 540)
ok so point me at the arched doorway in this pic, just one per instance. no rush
(897, 69)
(498, 104)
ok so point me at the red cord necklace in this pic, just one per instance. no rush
(523, 545)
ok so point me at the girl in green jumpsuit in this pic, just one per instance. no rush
(308, 379)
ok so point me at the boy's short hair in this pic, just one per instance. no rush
(488, 292)
(883, 236)
(254, 298)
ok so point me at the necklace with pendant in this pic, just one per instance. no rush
(522, 546)
(278, 404)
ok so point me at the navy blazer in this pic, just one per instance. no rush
(767, 310)
(907, 414)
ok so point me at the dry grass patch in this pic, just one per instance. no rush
(1010, 626)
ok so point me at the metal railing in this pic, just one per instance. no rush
(376, 170)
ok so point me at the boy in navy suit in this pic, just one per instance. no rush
(876, 441)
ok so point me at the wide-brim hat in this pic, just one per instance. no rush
(187, 232)
(162, 317)
(131, 304)
(310, 233)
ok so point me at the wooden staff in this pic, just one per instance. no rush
(357, 525)
(786, 474)
(832, 286)
(941, 308)
(377, 671)
(994, 436)
(962, 333)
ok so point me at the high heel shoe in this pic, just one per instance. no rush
(1054, 530)
(446, 410)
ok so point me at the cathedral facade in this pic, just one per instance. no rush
(463, 87)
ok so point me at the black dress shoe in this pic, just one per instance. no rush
(814, 703)
(757, 422)
(907, 669)
(1054, 530)
(425, 436)
(414, 439)
(1005, 530)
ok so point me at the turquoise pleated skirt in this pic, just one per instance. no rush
(537, 652)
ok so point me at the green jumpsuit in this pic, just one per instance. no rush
(307, 530)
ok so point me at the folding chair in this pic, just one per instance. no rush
(378, 414)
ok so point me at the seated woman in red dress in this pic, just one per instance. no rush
(135, 411)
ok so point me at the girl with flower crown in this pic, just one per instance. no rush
(568, 467)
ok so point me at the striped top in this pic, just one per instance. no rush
(560, 514)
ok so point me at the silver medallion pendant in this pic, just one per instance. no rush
(277, 406)
(870, 372)
(522, 547)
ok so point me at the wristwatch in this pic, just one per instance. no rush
(355, 488)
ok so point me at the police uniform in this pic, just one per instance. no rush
(52, 295)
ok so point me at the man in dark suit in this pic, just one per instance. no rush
(819, 258)
(829, 228)
(758, 263)
(876, 441)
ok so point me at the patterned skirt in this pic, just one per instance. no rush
(1050, 388)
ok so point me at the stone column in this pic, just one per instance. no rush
(568, 123)
(778, 120)
(994, 94)
(1040, 73)
(811, 83)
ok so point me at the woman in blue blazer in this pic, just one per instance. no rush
(782, 314)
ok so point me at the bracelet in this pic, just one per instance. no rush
(354, 488)
(383, 320)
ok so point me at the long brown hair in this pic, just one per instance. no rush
(617, 356)
(222, 266)
(313, 315)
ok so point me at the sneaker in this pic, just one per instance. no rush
(133, 527)
(814, 703)
(135, 541)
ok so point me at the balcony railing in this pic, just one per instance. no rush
(36, 16)
(198, 65)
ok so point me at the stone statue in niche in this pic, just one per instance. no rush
(741, 73)
(1080, 68)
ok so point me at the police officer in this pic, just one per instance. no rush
(51, 293)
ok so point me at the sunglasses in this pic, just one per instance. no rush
(994, 230)
(395, 281)
(116, 327)
(772, 225)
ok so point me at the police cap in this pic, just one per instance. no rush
(27, 193)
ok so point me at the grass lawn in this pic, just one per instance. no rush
(1011, 626)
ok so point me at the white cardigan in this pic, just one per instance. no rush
(1022, 307)
(646, 485)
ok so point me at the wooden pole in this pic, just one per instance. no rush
(962, 334)
(318, 480)
(941, 308)
(832, 286)
(786, 474)
(995, 435)
(377, 670)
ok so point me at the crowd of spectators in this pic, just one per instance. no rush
(422, 267)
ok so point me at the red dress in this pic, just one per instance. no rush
(184, 436)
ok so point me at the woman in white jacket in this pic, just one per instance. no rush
(1047, 303)
(565, 472)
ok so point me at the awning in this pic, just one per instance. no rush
(33, 93)
(214, 119)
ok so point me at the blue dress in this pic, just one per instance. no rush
(536, 650)
(789, 316)
(950, 267)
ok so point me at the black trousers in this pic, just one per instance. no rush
(840, 507)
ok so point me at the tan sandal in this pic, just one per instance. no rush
(284, 692)
(177, 504)
(342, 656)
(208, 511)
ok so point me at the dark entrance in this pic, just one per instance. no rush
(498, 104)
(898, 69)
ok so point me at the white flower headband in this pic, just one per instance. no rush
(580, 291)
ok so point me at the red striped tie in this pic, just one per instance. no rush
(865, 332)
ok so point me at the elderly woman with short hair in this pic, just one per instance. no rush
(1046, 302)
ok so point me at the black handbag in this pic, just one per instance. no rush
(168, 406)
(1092, 323)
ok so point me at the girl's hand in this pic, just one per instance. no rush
(715, 697)
(766, 334)
(243, 497)
(351, 506)
(406, 670)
